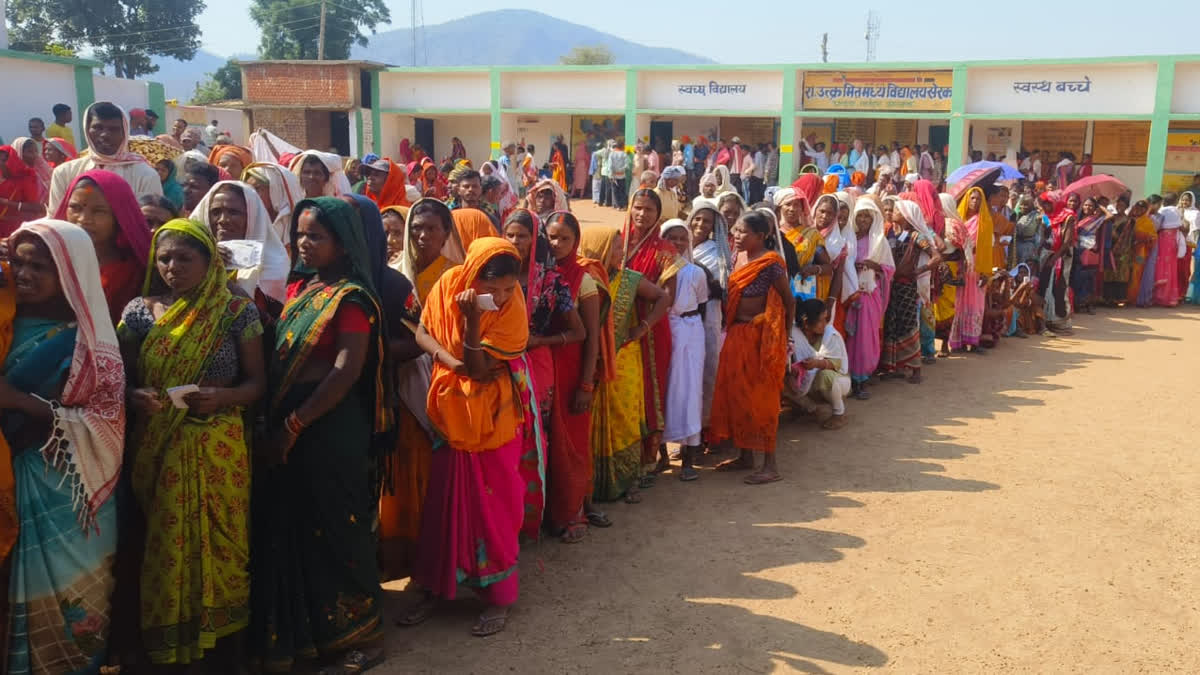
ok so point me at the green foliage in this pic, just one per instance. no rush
(290, 27)
(588, 56)
(123, 33)
(223, 85)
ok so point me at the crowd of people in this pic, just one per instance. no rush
(242, 388)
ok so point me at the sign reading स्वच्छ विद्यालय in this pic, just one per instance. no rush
(906, 90)
(713, 88)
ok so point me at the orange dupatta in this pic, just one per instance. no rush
(472, 224)
(473, 415)
(608, 345)
(395, 190)
(9, 522)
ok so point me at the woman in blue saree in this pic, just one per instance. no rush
(62, 393)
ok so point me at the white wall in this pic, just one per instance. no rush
(1134, 177)
(34, 88)
(681, 125)
(661, 90)
(979, 136)
(393, 128)
(128, 94)
(604, 90)
(473, 130)
(447, 91)
(536, 129)
(1112, 89)
(1186, 97)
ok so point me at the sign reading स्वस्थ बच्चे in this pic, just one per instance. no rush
(916, 90)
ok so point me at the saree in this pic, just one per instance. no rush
(1054, 278)
(1116, 257)
(746, 402)
(969, 297)
(1142, 247)
(1166, 272)
(901, 323)
(715, 257)
(191, 475)
(864, 318)
(270, 274)
(316, 587)
(61, 580)
(474, 508)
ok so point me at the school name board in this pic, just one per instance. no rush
(918, 91)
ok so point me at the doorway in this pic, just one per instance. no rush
(661, 135)
(423, 135)
(939, 137)
(339, 132)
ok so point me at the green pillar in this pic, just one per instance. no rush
(631, 101)
(958, 124)
(1160, 123)
(496, 147)
(358, 141)
(376, 115)
(787, 127)
(85, 95)
(156, 98)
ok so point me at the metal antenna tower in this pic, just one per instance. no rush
(824, 47)
(872, 35)
(416, 18)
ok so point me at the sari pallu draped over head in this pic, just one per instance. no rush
(89, 422)
(20, 185)
(453, 253)
(473, 415)
(271, 274)
(983, 229)
(395, 189)
(65, 147)
(243, 155)
(337, 184)
(715, 254)
(285, 190)
(40, 167)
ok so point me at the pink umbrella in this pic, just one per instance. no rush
(984, 178)
(1101, 185)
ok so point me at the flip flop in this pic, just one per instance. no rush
(419, 613)
(688, 474)
(486, 626)
(761, 478)
(598, 519)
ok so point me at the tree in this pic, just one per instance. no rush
(222, 85)
(123, 33)
(290, 27)
(588, 56)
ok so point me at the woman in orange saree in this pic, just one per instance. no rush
(759, 313)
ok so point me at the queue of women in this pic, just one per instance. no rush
(229, 415)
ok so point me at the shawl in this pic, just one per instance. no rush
(395, 190)
(285, 190)
(41, 168)
(475, 415)
(119, 158)
(338, 184)
(595, 249)
(89, 423)
(927, 198)
(243, 155)
(133, 233)
(950, 214)
(271, 275)
(879, 251)
(724, 182)
(983, 231)
(453, 250)
(912, 213)
(264, 145)
(715, 254)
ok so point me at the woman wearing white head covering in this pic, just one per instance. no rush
(864, 318)
(914, 251)
(841, 250)
(334, 182)
(218, 211)
(279, 190)
(685, 374)
(710, 250)
(724, 181)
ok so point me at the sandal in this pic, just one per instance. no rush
(598, 519)
(358, 661)
(929, 360)
(632, 496)
(574, 533)
(688, 474)
(420, 612)
(646, 482)
(490, 625)
(835, 422)
(862, 395)
(761, 478)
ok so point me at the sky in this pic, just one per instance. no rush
(790, 32)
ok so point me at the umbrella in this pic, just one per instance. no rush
(984, 178)
(1007, 172)
(1097, 186)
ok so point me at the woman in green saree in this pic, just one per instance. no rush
(191, 470)
(62, 395)
(316, 585)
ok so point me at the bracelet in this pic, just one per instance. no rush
(293, 424)
(564, 337)
(587, 386)
(643, 323)
(474, 349)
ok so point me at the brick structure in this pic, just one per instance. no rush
(306, 103)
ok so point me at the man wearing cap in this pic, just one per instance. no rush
(137, 122)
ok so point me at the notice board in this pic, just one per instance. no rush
(893, 130)
(1122, 143)
(1054, 137)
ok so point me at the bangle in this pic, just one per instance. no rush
(587, 386)
(293, 424)
(643, 323)
(474, 349)
(564, 337)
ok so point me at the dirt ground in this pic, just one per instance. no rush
(1032, 510)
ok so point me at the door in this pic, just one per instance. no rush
(423, 136)
(939, 137)
(660, 136)
(339, 132)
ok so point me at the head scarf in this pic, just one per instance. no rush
(193, 134)
(474, 415)
(724, 182)
(878, 250)
(88, 435)
(133, 234)
(394, 290)
(21, 178)
(560, 196)
(715, 253)
(983, 229)
(472, 224)
(395, 189)
(830, 186)
(65, 147)
(243, 154)
(338, 184)
(272, 272)
(927, 198)
(122, 157)
(672, 224)
(453, 250)
(285, 191)
(40, 167)
(670, 172)
(344, 223)
(808, 186)
(404, 153)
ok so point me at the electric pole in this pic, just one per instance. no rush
(824, 47)
(321, 35)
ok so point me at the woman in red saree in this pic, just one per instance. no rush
(103, 204)
(657, 260)
(431, 182)
(759, 312)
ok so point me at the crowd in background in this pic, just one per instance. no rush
(244, 385)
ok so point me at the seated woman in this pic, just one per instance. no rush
(822, 374)
(758, 315)
(474, 507)
(279, 190)
(233, 211)
(63, 398)
(997, 309)
(316, 589)
(102, 203)
(191, 473)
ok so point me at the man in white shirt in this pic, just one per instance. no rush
(106, 130)
(816, 152)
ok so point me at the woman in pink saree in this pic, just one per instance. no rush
(864, 316)
(582, 163)
(1166, 271)
(969, 305)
